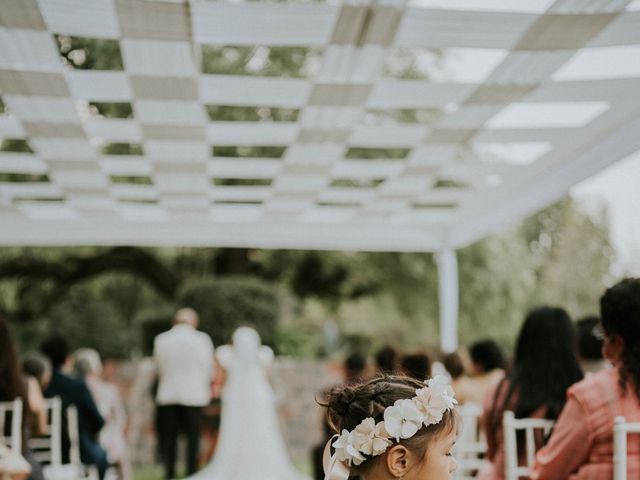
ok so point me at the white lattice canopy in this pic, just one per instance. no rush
(499, 109)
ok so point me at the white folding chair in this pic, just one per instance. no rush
(14, 438)
(510, 426)
(47, 449)
(89, 471)
(470, 444)
(621, 428)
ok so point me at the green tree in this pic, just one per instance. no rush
(230, 302)
(573, 255)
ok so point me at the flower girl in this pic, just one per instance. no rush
(392, 428)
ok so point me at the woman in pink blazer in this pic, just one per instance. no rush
(581, 445)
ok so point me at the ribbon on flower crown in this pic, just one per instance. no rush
(334, 469)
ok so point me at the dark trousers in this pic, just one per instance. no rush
(91, 453)
(172, 421)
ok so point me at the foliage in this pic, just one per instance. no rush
(100, 313)
(495, 286)
(559, 256)
(572, 255)
(314, 274)
(90, 53)
(402, 115)
(23, 177)
(152, 323)
(375, 153)
(43, 277)
(15, 145)
(298, 341)
(227, 113)
(262, 60)
(111, 109)
(227, 303)
(262, 151)
(122, 149)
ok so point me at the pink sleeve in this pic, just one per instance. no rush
(568, 447)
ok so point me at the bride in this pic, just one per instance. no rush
(250, 445)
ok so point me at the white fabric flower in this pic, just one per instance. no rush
(371, 438)
(345, 450)
(435, 399)
(403, 419)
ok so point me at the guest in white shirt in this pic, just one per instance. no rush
(184, 361)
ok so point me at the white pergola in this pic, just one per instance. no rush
(527, 99)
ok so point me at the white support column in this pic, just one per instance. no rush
(447, 262)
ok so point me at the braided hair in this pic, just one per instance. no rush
(348, 405)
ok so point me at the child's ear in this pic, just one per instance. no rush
(399, 460)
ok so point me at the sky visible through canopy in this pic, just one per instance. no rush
(617, 189)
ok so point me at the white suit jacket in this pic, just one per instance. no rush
(184, 362)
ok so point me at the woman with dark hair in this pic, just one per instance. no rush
(487, 356)
(581, 445)
(14, 385)
(416, 365)
(545, 365)
(386, 360)
(487, 368)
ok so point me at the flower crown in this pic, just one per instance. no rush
(401, 420)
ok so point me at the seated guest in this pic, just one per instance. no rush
(354, 367)
(13, 384)
(460, 382)
(73, 391)
(590, 341)
(488, 366)
(37, 377)
(386, 361)
(417, 365)
(581, 445)
(38, 366)
(545, 365)
(88, 366)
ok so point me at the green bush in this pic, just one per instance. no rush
(153, 323)
(226, 303)
(299, 341)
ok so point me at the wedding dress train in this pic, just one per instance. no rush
(250, 446)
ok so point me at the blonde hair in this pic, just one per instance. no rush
(86, 361)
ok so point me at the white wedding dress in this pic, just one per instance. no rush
(250, 446)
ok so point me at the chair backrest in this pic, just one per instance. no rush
(47, 449)
(13, 438)
(74, 435)
(510, 426)
(621, 428)
(470, 444)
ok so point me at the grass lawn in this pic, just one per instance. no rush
(147, 472)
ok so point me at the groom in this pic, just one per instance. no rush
(184, 362)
